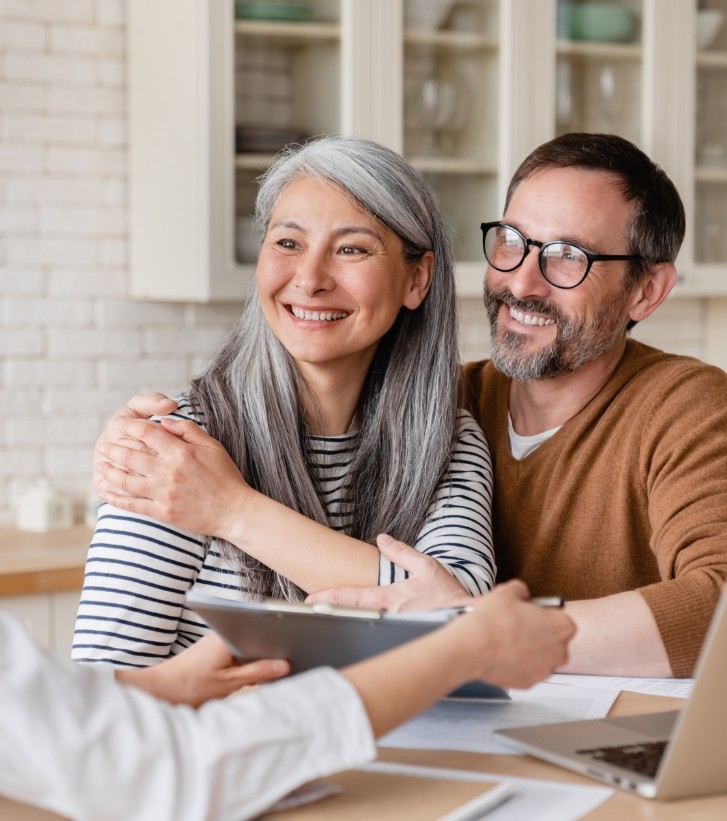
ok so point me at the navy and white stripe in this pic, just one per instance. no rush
(138, 570)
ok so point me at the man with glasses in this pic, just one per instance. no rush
(610, 457)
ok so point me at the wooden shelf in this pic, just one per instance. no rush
(289, 34)
(450, 40)
(606, 51)
(42, 562)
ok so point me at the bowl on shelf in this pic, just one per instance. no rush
(295, 11)
(426, 14)
(602, 22)
(709, 22)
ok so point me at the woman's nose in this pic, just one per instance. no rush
(313, 273)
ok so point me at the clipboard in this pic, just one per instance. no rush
(319, 635)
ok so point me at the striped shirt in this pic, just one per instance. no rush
(138, 570)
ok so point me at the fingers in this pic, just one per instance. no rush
(144, 405)
(257, 672)
(140, 436)
(187, 430)
(401, 554)
(369, 598)
(127, 483)
(514, 588)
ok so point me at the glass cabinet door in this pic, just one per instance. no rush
(710, 139)
(286, 89)
(599, 67)
(450, 90)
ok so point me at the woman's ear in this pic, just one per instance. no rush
(421, 273)
(655, 288)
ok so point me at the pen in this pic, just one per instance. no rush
(482, 805)
(541, 601)
(548, 601)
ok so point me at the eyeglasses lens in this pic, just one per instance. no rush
(563, 264)
(504, 248)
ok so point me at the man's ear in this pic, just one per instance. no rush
(652, 291)
(421, 274)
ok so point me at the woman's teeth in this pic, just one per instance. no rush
(529, 319)
(317, 316)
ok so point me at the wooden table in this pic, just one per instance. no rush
(365, 799)
(42, 562)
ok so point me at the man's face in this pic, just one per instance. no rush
(539, 331)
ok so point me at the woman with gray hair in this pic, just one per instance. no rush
(331, 417)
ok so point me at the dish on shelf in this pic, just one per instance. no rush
(601, 22)
(260, 10)
(709, 22)
(429, 14)
(261, 139)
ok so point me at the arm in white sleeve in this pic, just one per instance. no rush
(75, 741)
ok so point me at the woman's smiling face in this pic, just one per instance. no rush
(331, 278)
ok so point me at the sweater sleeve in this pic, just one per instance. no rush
(458, 527)
(684, 464)
(76, 742)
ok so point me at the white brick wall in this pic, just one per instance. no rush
(73, 348)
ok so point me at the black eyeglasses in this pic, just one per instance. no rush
(563, 264)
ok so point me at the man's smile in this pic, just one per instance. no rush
(529, 319)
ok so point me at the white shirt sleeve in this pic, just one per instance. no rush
(75, 741)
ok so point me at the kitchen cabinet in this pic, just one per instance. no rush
(41, 575)
(48, 617)
(464, 97)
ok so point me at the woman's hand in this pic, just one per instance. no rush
(175, 472)
(141, 406)
(429, 584)
(204, 671)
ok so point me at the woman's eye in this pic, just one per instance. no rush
(287, 243)
(351, 250)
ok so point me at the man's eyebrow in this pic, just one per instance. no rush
(569, 239)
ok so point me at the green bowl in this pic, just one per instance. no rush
(260, 10)
(602, 22)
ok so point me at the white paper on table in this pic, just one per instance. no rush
(677, 687)
(533, 798)
(468, 724)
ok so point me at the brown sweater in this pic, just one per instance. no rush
(631, 493)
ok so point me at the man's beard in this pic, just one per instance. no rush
(576, 342)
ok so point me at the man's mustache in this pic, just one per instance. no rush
(526, 306)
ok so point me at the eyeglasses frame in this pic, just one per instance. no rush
(590, 255)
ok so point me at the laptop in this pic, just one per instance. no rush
(674, 754)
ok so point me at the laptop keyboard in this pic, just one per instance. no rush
(639, 758)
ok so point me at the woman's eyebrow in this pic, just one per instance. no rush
(345, 230)
(287, 224)
(357, 229)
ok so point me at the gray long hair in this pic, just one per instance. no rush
(251, 396)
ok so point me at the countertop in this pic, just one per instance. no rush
(42, 562)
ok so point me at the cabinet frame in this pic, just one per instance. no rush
(181, 111)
